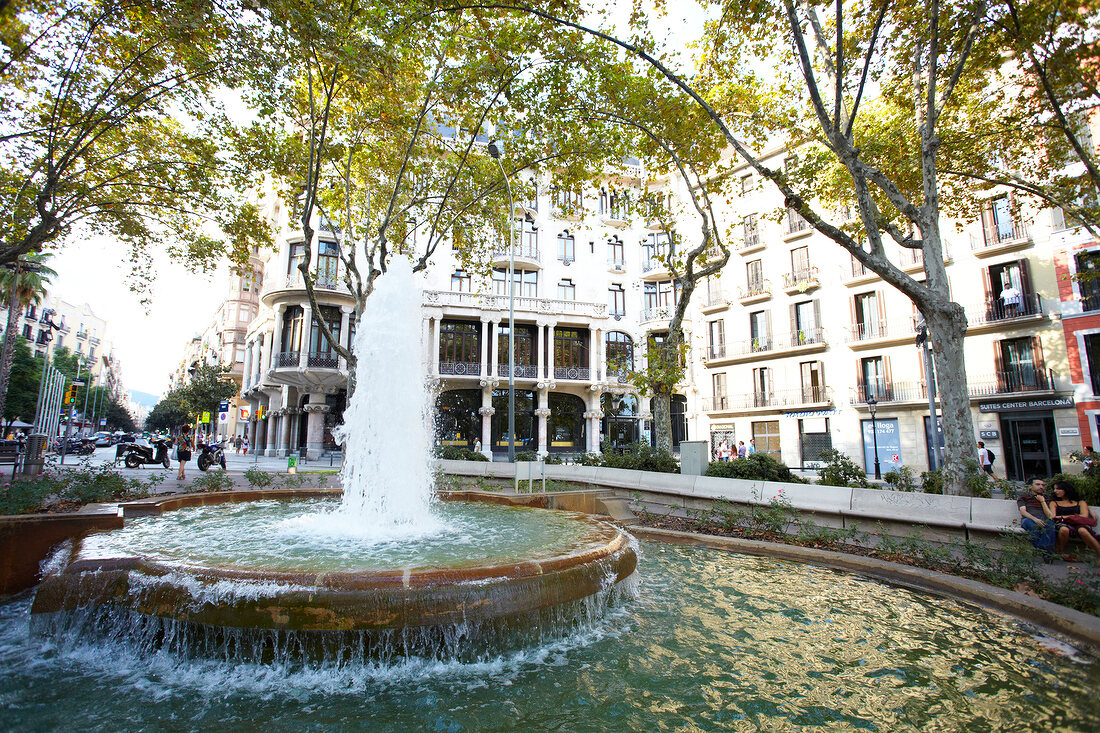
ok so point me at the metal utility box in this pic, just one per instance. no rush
(693, 457)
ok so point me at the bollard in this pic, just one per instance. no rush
(292, 464)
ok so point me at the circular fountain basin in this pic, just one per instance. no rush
(265, 565)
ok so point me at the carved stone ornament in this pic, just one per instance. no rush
(486, 411)
(542, 412)
(315, 409)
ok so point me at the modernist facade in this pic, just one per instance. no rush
(787, 345)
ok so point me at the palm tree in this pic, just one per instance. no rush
(25, 281)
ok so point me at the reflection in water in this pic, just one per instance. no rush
(715, 641)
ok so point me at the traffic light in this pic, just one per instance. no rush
(70, 395)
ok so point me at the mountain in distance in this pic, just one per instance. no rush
(144, 398)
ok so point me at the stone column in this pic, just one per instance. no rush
(433, 345)
(493, 342)
(252, 424)
(277, 336)
(246, 372)
(345, 333)
(486, 411)
(315, 429)
(592, 430)
(542, 413)
(550, 350)
(287, 419)
(486, 352)
(595, 373)
(307, 335)
(271, 430)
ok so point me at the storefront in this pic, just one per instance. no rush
(1029, 433)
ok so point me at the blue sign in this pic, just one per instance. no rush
(889, 445)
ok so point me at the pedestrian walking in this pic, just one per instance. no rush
(244, 445)
(183, 454)
(742, 451)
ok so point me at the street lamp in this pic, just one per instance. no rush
(496, 150)
(872, 405)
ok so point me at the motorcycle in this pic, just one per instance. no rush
(209, 454)
(75, 446)
(134, 455)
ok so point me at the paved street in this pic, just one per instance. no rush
(234, 463)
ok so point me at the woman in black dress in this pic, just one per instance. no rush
(1068, 504)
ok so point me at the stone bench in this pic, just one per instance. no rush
(909, 507)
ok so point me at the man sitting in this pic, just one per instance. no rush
(1034, 518)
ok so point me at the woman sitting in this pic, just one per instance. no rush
(1070, 515)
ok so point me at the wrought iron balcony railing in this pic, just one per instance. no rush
(460, 368)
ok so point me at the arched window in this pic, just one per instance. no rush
(566, 247)
(292, 336)
(619, 425)
(619, 354)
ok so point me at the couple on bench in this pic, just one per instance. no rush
(1052, 523)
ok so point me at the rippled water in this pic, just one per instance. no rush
(314, 535)
(715, 641)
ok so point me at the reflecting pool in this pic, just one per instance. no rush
(713, 641)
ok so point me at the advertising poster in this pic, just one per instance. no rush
(889, 446)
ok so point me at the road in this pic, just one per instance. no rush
(234, 463)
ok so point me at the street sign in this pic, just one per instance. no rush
(205, 417)
(223, 416)
(224, 406)
(103, 421)
(78, 382)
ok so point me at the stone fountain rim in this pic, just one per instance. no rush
(603, 540)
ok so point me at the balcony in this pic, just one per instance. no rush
(82, 334)
(770, 400)
(718, 351)
(618, 375)
(285, 359)
(911, 260)
(323, 360)
(890, 391)
(653, 266)
(800, 281)
(571, 372)
(526, 253)
(751, 240)
(482, 302)
(523, 371)
(876, 333)
(993, 313)
(754, 291)
(756, 349)
(714, 302)
(94, 341)
(616, 264)
(460, 368)
(293, 281)
(657, 312)
(999, 239)
(1013, 381)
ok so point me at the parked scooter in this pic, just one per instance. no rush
(134, 455)
(75, 446)
(211, 453)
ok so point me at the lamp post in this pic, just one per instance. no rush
(872, 405)
(496, 150)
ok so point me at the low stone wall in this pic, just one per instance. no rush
(25, 541)
(895, 513)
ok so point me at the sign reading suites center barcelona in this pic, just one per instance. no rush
(1039, 403)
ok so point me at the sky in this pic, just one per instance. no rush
(149, 342)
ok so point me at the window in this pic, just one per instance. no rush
(32, 311)
(27, 333)
(746, 184)
(292, 329)
(805, 323)
(868, 323)
(813, 381)
(1008, 291)
(1020, 365)
(568, 201)
(619, 354)
(459, 343)
(328, 264)
(460, 282)
(566, 248)
(615, 253)
(800, 262)
(759, 331)
(532, 188)
(571, 350)
(649, 294)
(238, 354)
(525, 350)
(795, 222)
(529, 239)
(761, 386)
(718, 390)
(716, 339)
(874, 381)
(754, 276)
(525, 282)
(765, 436)
(750, 230)
(1092, 359)
(566, 290)
(297, 252)
(997, 221)
(616, 300)
(1088, 279)
(656, 247)
(318, 344)
(667, 295)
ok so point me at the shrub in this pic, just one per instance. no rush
(902, 479)
(641, 457)
(841, 470)
(931, 482)
(259, 479)
(527, 455)
(455, 453)
(756, 467)
(976, 481)
(1086, 485)
(212, 481)
(74, 487)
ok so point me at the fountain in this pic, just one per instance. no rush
(422, 603)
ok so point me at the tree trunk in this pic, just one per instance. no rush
(7, 351)
(662, 420)
(947, 330)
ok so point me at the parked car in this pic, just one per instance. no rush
(125, 438)
(103, 440)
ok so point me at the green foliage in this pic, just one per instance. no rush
(931, 482)
(455, 453)
(1087, 484)
(210, 481)
(26, 371)
(208, 386)
(640, 457)
(902, 479)
(257, 478)
(168, 414)
(841, 470)
(756, 467)
(976, 482)
(73, 487)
